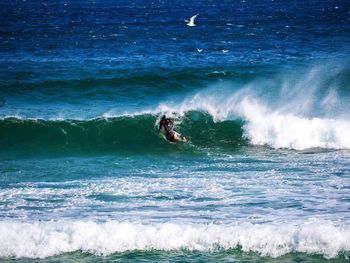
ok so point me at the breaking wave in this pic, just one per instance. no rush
(299, 111)
(44, 239)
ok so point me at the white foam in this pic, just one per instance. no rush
(115, 114)
(44, 239)
(289, 131)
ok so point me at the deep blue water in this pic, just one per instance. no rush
(261, 89)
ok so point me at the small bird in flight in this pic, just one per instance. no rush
(191, 22)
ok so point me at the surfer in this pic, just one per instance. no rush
(166, 127)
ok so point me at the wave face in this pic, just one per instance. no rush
(128, 133)
(99, 134)
(44, 239)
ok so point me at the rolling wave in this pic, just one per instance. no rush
(44, 239)
(292, 112)
(203, 129)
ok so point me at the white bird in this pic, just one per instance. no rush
(199, 50)
(224, 51)
(191, 22)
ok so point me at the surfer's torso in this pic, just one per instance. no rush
(166, 127)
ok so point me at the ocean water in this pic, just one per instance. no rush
(261, 89)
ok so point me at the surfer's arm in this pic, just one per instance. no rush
(179, 137)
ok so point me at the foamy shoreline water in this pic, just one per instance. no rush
(45, 239)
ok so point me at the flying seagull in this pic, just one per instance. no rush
(191, 22)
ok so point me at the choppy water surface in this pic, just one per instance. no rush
(260, 89)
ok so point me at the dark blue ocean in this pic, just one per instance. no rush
(261, 90)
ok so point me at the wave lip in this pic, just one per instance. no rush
(44, 239)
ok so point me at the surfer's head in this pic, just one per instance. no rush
(162, 122)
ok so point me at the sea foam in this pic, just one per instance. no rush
(44, 239)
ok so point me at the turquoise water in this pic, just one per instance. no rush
(260, 90)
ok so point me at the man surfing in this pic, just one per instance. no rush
(166, 127)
